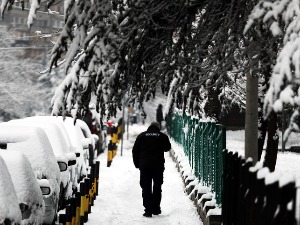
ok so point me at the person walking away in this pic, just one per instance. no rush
(148, 156)
(159, 114)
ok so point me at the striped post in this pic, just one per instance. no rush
(68, 215)
(82, 202)
(78, 203)
(97, 168)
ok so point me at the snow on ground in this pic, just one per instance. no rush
(120, 197)
(119, 200)
(287, 162)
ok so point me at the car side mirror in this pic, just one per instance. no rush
(3, 145)
(23, 207)
(62, 166)
(44, 186)
(45, 190)
(71, 162)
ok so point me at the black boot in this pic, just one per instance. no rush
(146, 214)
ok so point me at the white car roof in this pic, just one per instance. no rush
(74, 131)
(34, 143)
(53, 120)
(9, 204)
(23, 178)
(54, 134)
(73, 134)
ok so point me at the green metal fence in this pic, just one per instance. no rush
(203, 143)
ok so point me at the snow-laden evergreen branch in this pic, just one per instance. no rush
(282, 18)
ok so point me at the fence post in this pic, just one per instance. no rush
(62, 219)
(270, 206)
(197, 151)
(93, 188)
(226, 186)
(286, 213)
(87, 199)
(97, 175)
(232, 179)
(82, 202)
(73, 209)
(244, 182)
(77, 197)
(201, 161)
(219, 162)
(205, 153)
(68, 215)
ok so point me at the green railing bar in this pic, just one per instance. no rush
(203, 143)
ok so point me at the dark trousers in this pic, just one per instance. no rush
(151, 195)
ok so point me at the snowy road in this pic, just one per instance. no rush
(119, 200)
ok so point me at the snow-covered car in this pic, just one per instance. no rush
(75, 140)
(10, 212)
(65, 158)
(29, 194)
(79, 141)
(87, 134)
(34, 143)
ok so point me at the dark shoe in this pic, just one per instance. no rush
(156, 212)
(146, 214)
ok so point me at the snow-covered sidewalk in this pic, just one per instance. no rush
(119, 199)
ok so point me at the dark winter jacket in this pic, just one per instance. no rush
(159, 114)
(149, 147)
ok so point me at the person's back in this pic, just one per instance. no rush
(148, 156)
(150, 147)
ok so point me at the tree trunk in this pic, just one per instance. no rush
(251, 121)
